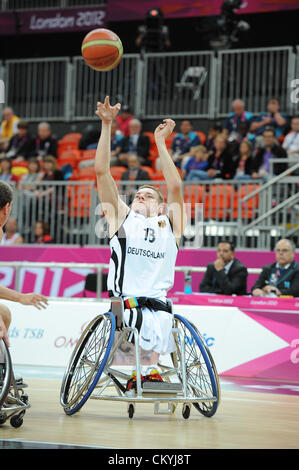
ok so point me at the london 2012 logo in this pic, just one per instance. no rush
(2, 92)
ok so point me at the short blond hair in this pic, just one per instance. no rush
(160, 195)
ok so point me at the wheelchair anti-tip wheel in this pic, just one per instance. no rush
(87, 362)
(201, 373)
(5, 371)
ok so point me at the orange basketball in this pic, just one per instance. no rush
(102, 49)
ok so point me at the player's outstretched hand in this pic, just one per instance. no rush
(107, 112)
(165, 129)
(37, 300)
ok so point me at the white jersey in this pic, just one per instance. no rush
(143, 256)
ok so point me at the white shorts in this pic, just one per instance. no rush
(155, 333)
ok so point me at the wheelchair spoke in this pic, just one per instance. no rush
(201, 375)
(86, 363)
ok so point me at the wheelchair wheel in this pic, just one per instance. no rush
(87, 362)
(5, 371)
(201, 373)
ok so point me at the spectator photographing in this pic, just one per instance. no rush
(227, 275)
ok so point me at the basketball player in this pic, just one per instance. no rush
(143, 239)
(39, 301)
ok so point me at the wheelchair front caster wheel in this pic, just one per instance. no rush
(131, 410)
(16, 421)
(186, 411)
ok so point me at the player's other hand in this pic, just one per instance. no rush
(3, 332)
(37, 300)
(107, 112)
(165, 129)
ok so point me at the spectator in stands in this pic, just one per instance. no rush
(133, 173)
(11, 235)
(90, 138)
(6, 174)
(135, 142)
(291, 140)
(226, 275)
(197, 162)
(34, 175)
(242, 135)
(215, 129)
(123, 119)
(42, 232)
(219, 162)
(51, 172)
(45, 143)
(270, 149)
(116, 143)
(272, 117)
(9, 127)
(280, 277)
(21, 146)
(242, 163)
(183, 142)
(234, 119)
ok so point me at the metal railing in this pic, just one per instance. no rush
(225, 209)
(67, 89)
(98, 267)
(278, 217)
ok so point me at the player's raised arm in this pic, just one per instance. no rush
(175, 199)
(113, 207)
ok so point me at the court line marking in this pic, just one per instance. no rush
(20, 439)
(252, 400)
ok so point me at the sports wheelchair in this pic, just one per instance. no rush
(13, 400)
(189, 374)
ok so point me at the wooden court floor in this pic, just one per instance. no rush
(244, 420)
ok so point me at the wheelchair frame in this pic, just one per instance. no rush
(13, 400)
(205, 399)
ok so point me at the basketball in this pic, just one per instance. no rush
(102, 49)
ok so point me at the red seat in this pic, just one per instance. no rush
(202, 137)
(117, 171)
(71, 157)
(151, 172)
(218, 202)
(72, 137)
(79, 201)
(193, 194)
